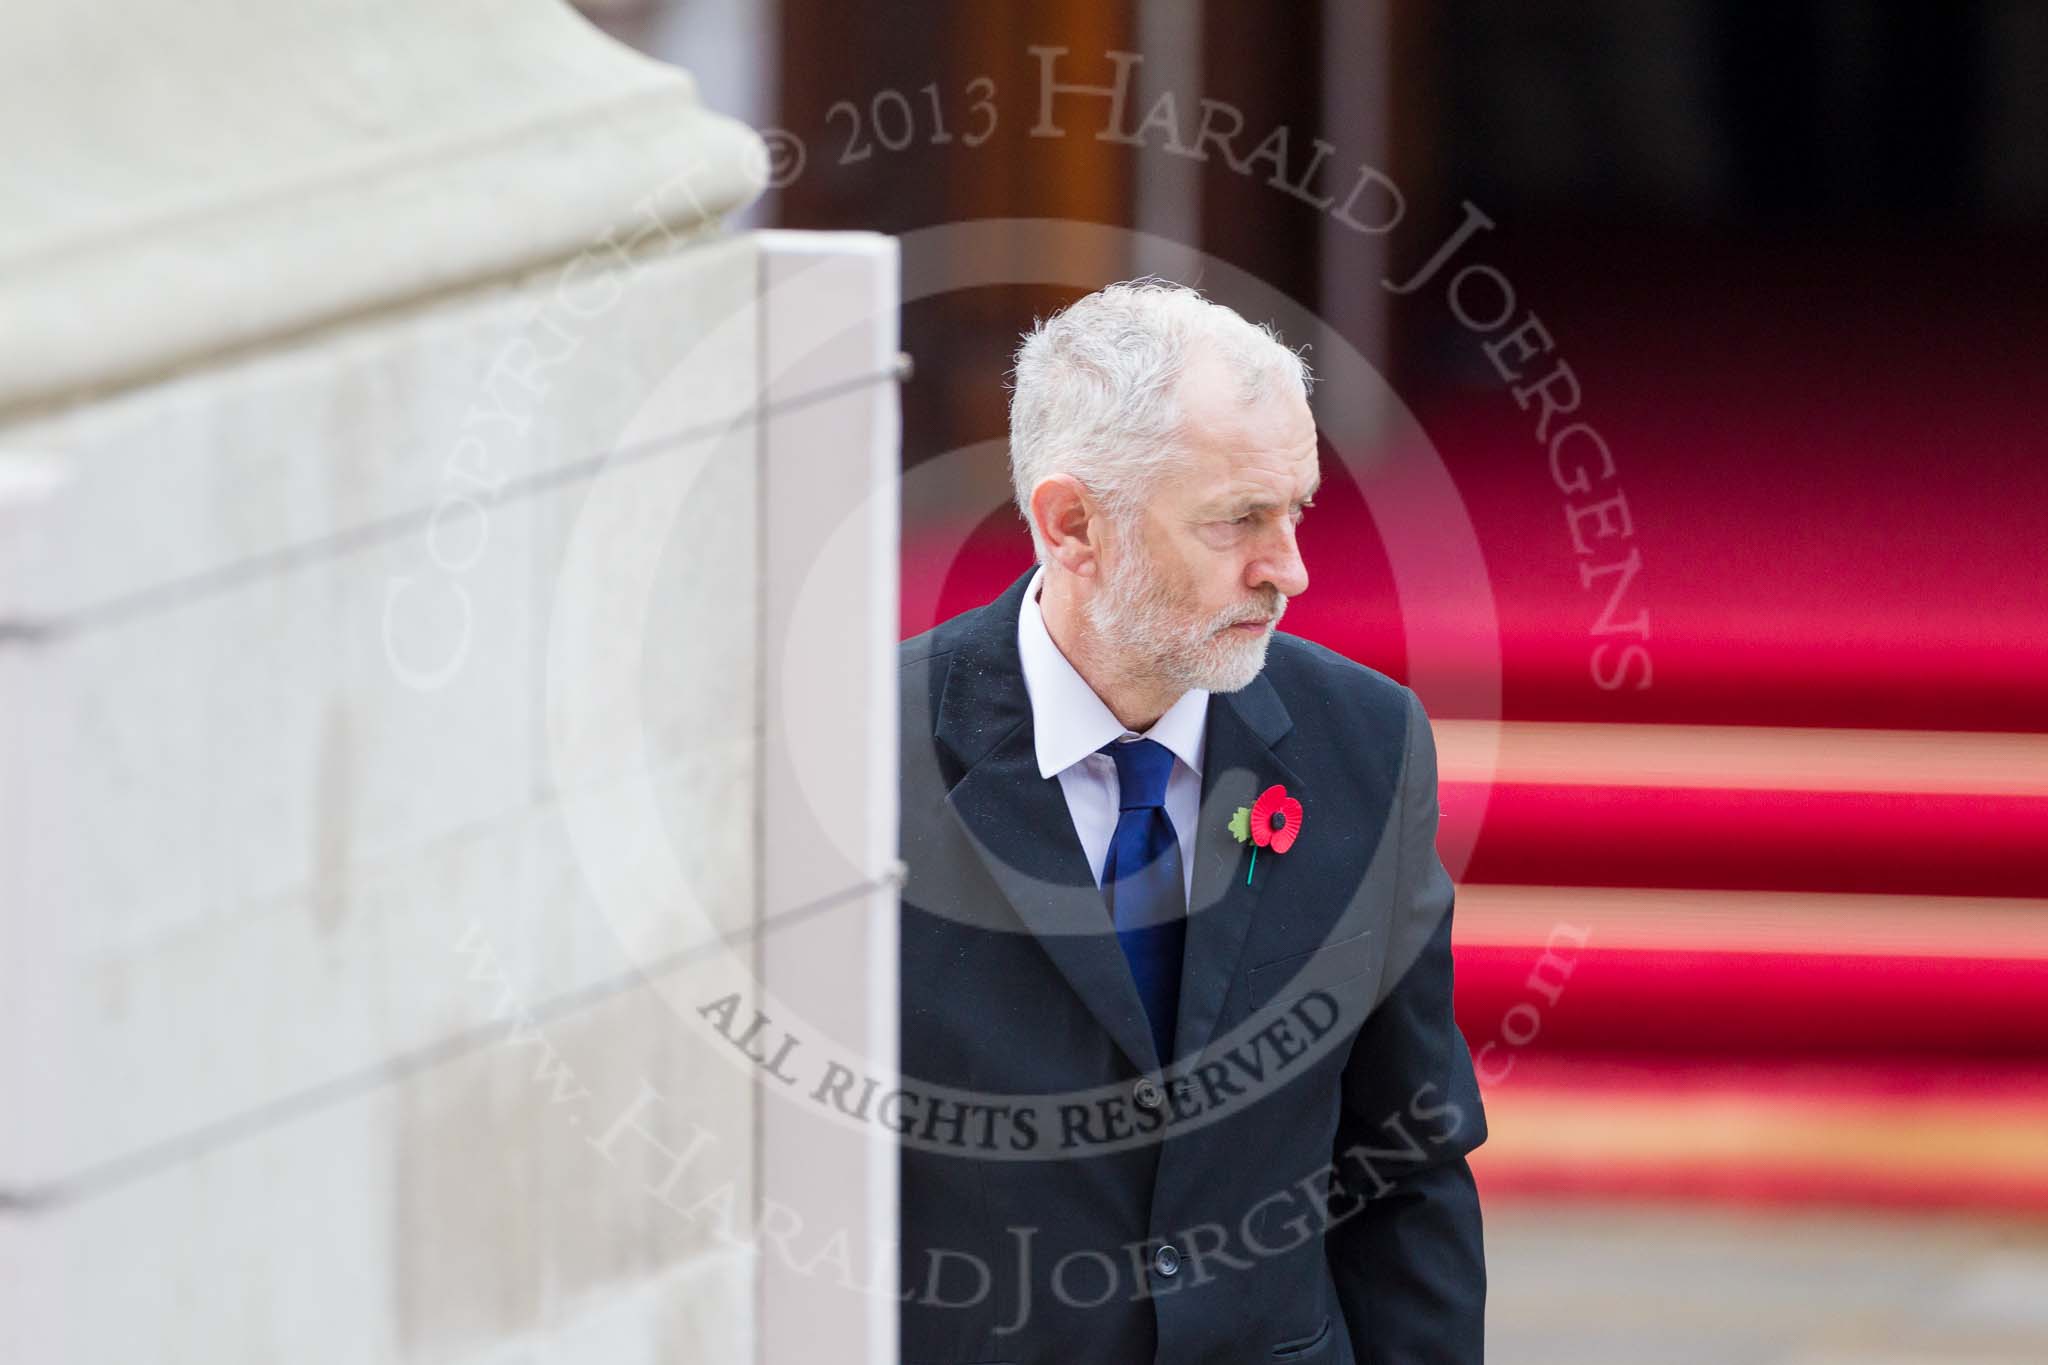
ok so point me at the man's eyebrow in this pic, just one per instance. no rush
(1253, 503)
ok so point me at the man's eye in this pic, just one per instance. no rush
(1241, 521)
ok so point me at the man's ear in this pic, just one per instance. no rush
(1070, 522)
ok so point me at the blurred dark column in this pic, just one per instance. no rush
(830, 52)
(927, 52)
(1929, 124)
(1264, 62)
(1074, 176)
(1360, 103)
(1771, 94)
(1912, 114)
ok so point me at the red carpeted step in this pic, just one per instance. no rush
(1897, 1131)
(1759, 1003)
(1894, 842)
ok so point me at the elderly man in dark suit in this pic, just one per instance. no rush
(1180, 1076)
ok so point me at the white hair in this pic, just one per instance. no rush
(1096, 390)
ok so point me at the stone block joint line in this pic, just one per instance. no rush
(153, 1159)
(160, 598)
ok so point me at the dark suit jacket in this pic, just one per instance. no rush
(1294, 1187)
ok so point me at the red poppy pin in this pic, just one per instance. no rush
(1273, 821)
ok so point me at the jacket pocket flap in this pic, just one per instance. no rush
(1330, 965)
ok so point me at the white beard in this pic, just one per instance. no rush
(1136, 620)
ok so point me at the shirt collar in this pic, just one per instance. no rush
(1069, 722)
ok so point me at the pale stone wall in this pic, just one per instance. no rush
(381, 766)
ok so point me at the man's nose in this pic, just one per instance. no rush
(1282, 565)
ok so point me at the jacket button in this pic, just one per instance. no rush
(1166, 1260)
(1147, 1094)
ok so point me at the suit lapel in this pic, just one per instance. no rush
(1237, 764)
(1018, 824)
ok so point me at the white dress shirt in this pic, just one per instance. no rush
(1069, 723)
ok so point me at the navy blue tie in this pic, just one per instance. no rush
(1142, 879)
